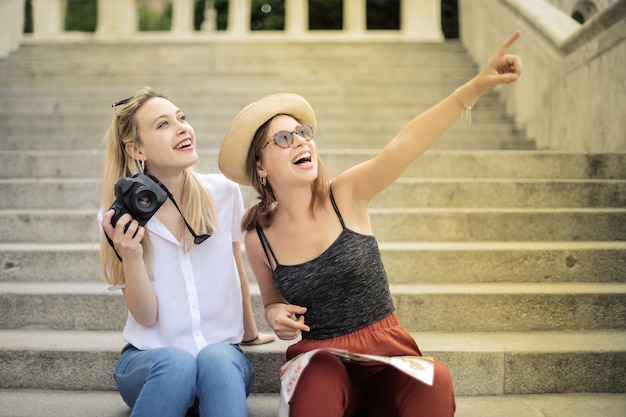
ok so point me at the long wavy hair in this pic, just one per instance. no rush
(197, 205)
(262, 213)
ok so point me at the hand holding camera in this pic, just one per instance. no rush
(140, 196)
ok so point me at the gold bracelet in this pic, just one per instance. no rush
(466, 114)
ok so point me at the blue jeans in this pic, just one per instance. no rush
(169, 381)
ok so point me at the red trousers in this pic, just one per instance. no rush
(329, 387)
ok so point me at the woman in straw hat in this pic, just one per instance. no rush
(182, 275)
(311, 248)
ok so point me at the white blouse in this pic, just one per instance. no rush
(198, 292)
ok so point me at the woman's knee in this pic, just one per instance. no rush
(156, 371)
(324, 377)
(225, 362)
(171, 360)
(443, 380)
(221, 356)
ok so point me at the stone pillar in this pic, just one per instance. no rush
(182, 17)
(11, 28)
(354, 22)
(238, 17)
(296, 17)
(47, 18)
(117, 19)
(421, 19)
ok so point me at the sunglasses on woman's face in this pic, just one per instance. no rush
(284, 139)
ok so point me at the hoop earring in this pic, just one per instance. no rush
(263, 181)
(142, 165)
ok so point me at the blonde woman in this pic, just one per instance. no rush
(174, 251)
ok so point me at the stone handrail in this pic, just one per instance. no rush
(571, 95)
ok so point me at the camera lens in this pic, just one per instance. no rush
(144, 201)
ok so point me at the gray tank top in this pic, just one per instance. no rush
(343, 289)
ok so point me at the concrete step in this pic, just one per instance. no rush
(496, 137)
(333, 130)
(481, 307)
(75, 193)
(218, 82)
(502, 193)
(405, 262)
(58, 403)
(97, 104)
(481, 363)
(73, 162)
(389, 224)
(343, 80)
(232, 57)
(92, 140)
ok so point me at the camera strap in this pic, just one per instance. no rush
(197, 239)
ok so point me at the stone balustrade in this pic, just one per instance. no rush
(117, 19)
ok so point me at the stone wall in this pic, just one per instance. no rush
(572, 92)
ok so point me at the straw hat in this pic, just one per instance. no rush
(238, 138)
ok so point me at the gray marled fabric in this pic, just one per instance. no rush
(344, 289)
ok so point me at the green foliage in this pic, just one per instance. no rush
(450, 19)
(28, 16)
(325, 14)
(578, 16)
(383, 14)
(81, 15)
(153, 20)
(267, 15)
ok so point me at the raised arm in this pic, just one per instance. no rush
(368, 179)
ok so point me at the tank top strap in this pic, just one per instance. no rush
(266, 245)
(332, 200)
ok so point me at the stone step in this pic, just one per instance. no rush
(343, 48)
(333, 129)
(188, 58)
(223, 57)
(213, 84)
(33, 162)
(481, 363)
(92, 140)
(77, 193)
(60, 403)
(94, 104)
(209, 82)
(374, 136)
(389, 224)
(405, 262)
(502, 193)
(480, 307)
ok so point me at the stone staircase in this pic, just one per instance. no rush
(506, 262)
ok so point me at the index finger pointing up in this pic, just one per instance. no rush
(510, 41)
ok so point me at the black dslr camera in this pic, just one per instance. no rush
(140, 196)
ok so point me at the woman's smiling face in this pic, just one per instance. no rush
(296, 161)
(167, 141)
